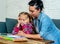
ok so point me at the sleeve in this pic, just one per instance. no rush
(30, 28)
(15, 30)
(45, 27)
(27, 28)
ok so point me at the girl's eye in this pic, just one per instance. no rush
(23, 19)
(19, 18)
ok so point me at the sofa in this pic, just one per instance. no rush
(8, 25)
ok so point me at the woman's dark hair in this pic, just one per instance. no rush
(37, 3)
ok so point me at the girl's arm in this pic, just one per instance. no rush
(33, 36)
(16, 29)
(27, 28)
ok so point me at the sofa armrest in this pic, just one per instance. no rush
(57, 22)
(3, 27)
(10, 23)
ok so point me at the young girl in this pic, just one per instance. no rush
(24, 24)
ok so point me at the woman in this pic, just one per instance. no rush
(44, 26)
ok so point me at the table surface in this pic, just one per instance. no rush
(29, 41)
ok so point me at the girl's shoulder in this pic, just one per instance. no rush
(29, 24)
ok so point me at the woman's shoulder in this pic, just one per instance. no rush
(44, 15)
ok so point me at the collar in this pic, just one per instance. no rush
(39, 17)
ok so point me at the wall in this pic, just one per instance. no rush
(16, 6)
(3, 10)
(52, 8)
(11, 8)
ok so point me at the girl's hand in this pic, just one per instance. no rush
(21, 33)
(19, 22)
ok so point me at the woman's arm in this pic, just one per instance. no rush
(32, 36)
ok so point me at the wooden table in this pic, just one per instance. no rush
(30, 41)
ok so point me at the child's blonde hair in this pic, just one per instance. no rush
(28, 15)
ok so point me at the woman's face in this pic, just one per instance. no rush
(33, 11)
(24, 18)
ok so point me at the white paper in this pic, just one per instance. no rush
(15, 36)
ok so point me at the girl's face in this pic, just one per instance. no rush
(24, 18)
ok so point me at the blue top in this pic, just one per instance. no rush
(47, 28)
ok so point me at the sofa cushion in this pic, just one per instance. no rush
(3, 27)
(57, 22)
(10, 23)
